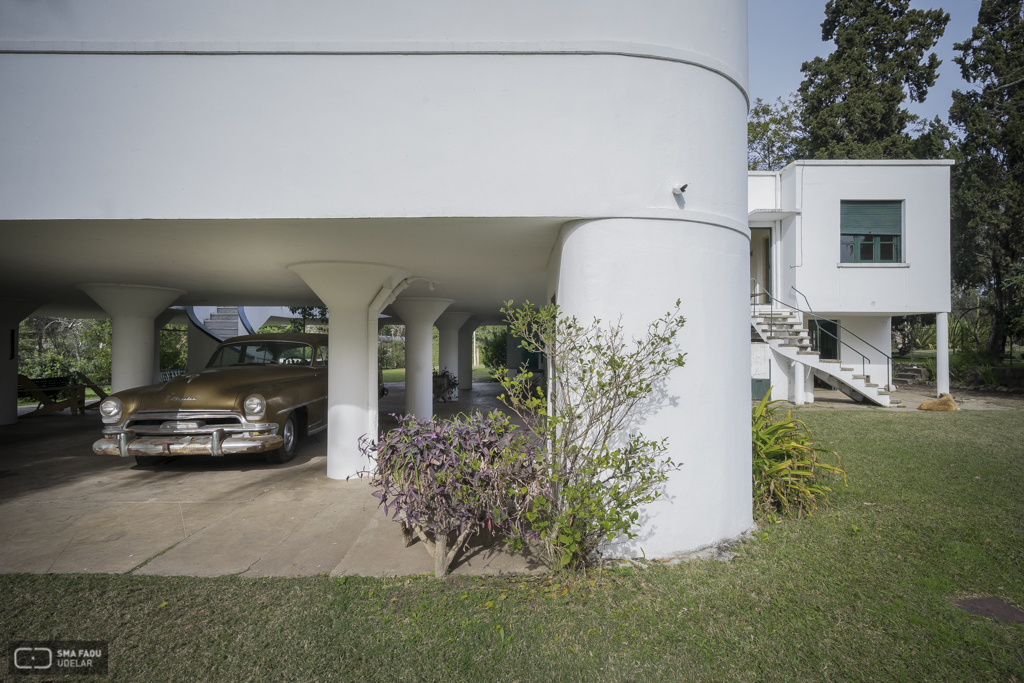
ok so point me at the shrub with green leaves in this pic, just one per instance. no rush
(601, 472)
(447, 480)
(493, 342)
(789, 474)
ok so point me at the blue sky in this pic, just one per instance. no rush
(786, 33)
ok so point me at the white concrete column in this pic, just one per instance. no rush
(133, 310)
(449, 342)
(637, 269)
(796, 371)
(12, 312)
(349, 290)
(941, 353)
(466, 354)
(419, 314)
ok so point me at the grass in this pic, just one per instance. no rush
(861, 591)
(480, 374)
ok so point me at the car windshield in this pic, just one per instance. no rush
(262, 353)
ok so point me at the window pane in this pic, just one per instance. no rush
(845, 248)
(887, 248)
(867, 248)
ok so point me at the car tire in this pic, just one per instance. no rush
(146, 460)
(290, 433)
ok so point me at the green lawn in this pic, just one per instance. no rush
(862, 591)
(480, 374)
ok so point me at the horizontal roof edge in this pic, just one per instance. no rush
(873, 162)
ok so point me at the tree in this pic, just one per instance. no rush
(600, 468)
(493, 347)
(311, 315)
(774, 134)
(988, 180)
(852, 100)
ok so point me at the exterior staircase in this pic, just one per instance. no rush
(785, 333)
(223, 323)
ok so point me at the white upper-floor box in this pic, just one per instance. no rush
(858, 237)
(128, 109)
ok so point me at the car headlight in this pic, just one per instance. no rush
(111, 409)
(255, 405)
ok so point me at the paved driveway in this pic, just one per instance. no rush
(67, 510)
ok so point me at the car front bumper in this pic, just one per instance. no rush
(127, 443)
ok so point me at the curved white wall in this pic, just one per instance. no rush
(146, 136)
(565, 108)
(550, 109)
(639, 268)
(710, 31)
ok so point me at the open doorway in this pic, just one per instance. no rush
(760, 264)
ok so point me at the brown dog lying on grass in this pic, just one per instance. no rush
(944, 402)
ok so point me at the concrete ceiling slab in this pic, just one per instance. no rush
(478, 262)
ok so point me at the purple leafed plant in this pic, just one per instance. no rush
(447, 480)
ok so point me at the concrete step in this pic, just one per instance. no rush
(807, 353)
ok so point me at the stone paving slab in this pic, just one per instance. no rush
(34, 534)
(67, 510)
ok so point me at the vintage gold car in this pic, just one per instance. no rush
(258, 394)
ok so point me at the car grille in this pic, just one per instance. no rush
(186, 422)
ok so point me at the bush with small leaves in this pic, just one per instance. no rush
(448, 480)
(602, 471)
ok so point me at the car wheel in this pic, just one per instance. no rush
(290, 434)
(146, 460)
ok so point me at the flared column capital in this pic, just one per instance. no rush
(143, 301)
(420, 310)
(348, 284)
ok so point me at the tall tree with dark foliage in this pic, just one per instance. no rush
(988, 180)
(853, 99)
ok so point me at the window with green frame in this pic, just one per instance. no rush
(870, 232)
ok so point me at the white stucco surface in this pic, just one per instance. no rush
(873, 331)
(704, 409)
(920, 284)
(230, 149)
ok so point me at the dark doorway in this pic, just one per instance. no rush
(825, 340)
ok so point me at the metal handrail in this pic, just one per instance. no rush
(864, 358)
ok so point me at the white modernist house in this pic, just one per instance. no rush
(837, 249)
(427, 160)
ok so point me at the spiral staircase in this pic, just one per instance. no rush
(787, 336)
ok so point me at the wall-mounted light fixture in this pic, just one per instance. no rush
(681, 189)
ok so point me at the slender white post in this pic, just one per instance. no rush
(11, 315)
(419, 315)
(941, 353)
(133, 310)
(347, 289)
(466, 343)
(449, 342)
